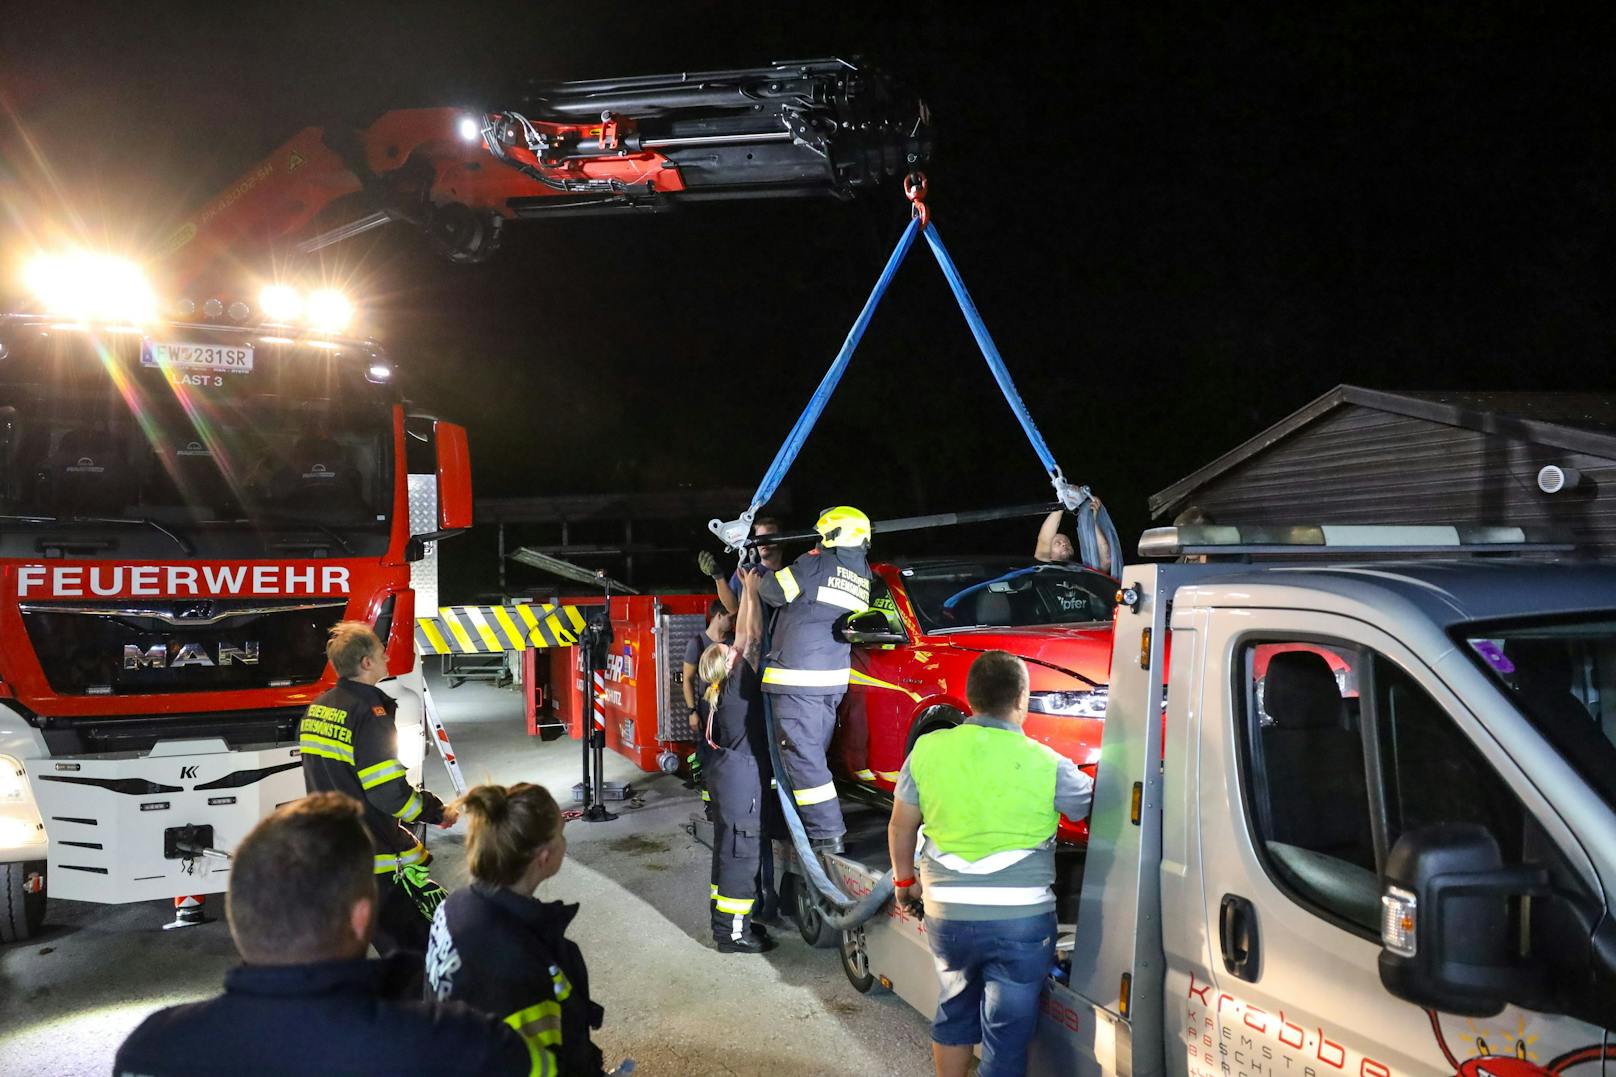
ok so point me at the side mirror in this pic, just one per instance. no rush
(454, 477)
(1450, 939)
(871, 626)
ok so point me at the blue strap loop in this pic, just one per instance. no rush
(1093, 520)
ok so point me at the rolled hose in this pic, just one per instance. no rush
(849, 913)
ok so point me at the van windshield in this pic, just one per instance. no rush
(1562, 675)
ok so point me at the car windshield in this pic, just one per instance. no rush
(107, 431)
(1006, 593)
(1562, 675)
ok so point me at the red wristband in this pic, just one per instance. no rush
(898, 884)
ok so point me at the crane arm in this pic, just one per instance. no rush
(632, 145)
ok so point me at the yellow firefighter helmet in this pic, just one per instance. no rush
(843, 526)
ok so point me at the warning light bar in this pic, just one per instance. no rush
(1224, 541)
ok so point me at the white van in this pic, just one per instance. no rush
(1370, 830)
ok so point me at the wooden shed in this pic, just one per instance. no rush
(1366, 456)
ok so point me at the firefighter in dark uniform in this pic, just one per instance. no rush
(737, 775)
(349, 746)
(808, 667)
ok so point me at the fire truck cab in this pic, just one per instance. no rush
(191, 494)
(1404, 869)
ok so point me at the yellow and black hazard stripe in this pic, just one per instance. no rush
(493, 629)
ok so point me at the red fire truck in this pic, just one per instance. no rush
(202, 469)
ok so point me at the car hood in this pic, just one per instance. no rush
(1082, 651)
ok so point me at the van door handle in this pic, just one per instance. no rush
(1237, 934)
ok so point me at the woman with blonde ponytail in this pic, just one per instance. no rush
(736, 770)
(496, 947)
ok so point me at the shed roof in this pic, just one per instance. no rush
(1575, 422)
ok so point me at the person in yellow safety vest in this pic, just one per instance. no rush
(808, 665)
(349, 746)
(990, 798)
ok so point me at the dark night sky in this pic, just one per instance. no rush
(1179, 228)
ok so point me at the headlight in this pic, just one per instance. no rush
(1085, 703)
(91, 287)
(15, 832)
(13, 781)
(329, 310)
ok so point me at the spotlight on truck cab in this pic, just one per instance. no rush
(90, 287)
(324, 310)
(281, 303)
(329, 310)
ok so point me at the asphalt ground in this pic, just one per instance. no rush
(673, 1004)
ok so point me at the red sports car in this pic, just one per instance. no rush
(929, 619)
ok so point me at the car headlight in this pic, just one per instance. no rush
(1083, 703)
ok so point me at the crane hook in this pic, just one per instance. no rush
(914, 189)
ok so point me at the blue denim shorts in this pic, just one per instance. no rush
(992, 974)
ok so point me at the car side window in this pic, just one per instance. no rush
(1306, 779)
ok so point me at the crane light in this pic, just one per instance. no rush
(91, 287)
(470, 129)
(329, 310)
(281, 303)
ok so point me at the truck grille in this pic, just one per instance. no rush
(126, 648)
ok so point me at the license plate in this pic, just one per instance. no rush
(235, 358)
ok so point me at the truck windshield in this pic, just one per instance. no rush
(229, 446)
(1007, 593)
(1562, 675)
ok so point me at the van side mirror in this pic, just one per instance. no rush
(454, 476)
(871, 626)
(1450, 923)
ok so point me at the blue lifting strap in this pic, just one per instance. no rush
(1090, 523)
(1093, 521)
(827, 385)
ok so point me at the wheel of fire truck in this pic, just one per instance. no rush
(807, 910)
(22, 899)
(856, 963)
(930, 721)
